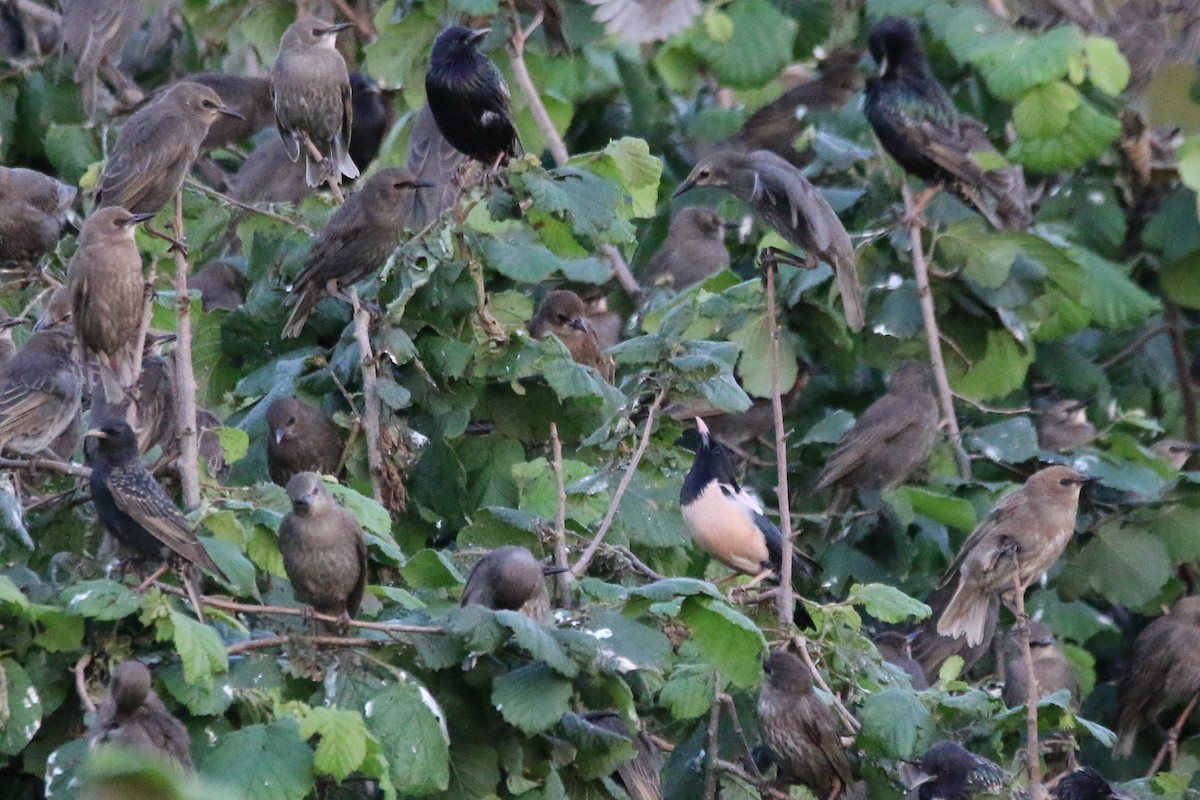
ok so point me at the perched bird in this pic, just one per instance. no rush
(800, 730)
(639, 776)
(248, 95)
(268, 175)
(948, 771)
(607, 324)
(896, 649)
(469, 99)
(931, 649)
(891, 439)
(782, 197)
(221, 285)
(33, 210)
(693, 250)
(374, 113)
(1163, 673)
(1050, 667)
(734, 430)
(58, 308)
(563, 314)
(324, 552)
(108, 294)
(918, 124)
(157, 148)
(134, 507)
(432, 159)
(134, 716)
(1021, 538)
(94, 31)
(300, 439)
(358, 238)
(510, 579)
(40, 388)
(310, 90)
(552, 24)
(729, 524)
(1174, 452)
(1064, 426)
(1083, 784)
(643, 21)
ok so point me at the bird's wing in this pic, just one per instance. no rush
(806, 206)
(360, 550)
(883, 421)
(136, 162)
(22, 404)
(136, 493)
(325, 257)
(1009, 506)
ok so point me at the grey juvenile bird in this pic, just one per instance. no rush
(434, 160)
(693, 250)
(221, 285)
(268, 175)
(40, 389)
(1064, 426)
(563, 314)
(299, 439)
(134, 716)
(896, 649)
(248, 95)
(33, 210)
(1051, 667)
(639, 776)
(94, 31)
(782, 197)
(510, 579)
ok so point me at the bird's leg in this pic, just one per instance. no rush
(837, 790)
(1171, 745)
(772, 257)
(158, 573)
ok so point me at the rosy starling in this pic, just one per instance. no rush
(268, 175)
(800, 730)
(643, 21)
(563, 314)
(157, 148)
(918, 124)
(639, 776)
(1163, 673)
(693, 250)
(948, 771)
(33, 210)
(782, 197)
(94, 31)
(324, 552)
(108, 294)
(134, 507)
(896, 649)
(249, 96)
(891, 439)
(374, 113)
(40, 389)
(433, 159)
(299, 439)
(310, 88)
(1050, 667)
(510, 579)
(1020, 539)
(469, 98)
(1064, 426)
(134, 716)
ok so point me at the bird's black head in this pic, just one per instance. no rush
(1083, 784)
(893, 45)
(710, 464)
(115, 441)
(949, 771)
(456, 44)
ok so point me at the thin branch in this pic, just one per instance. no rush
(761, 784)
(185, 377)
(365, 27)
(371, 420)
(621, 270)
(638, 564)
(324, 641)
(79, 669)
(727, 701)
(46, 465)
(787, 599)
(1033, 749)
(1171, 745)
(563, 579)
(712, 747)
(852, 724)
(1138, 343)
(225, 199)
(1183, 377)
(992, 409)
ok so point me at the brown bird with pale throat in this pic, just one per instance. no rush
(134, 716)
(510, 579)
(300, 439)
(33, 210)
(1064, 426)
(40, 388)
(693, 250)
(248, 95)
(1051, 668)
(563, 314)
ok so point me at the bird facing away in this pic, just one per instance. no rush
(948, 771)
(221, 285)
(1163, 673)
(639, 776)
(643, 21)
(564, 314)
(896, 649)
(800, 730)
(299, 439)
(108, 295)
(433, 159)
(134, 507)
(1021, 538)
(931, 649)
(1064, 426)
(157, 148)
(1083, 784)
(374, 113)
(1050, 667)
(693, 250)
(782, 197)
(94, 31)
(33, 210)
(134, 716)
(734, 430)
(314, 110)
(248, 95)
(728, 522)
(358, 238)
(510, 579)
(469, 98)
(918, 124)
(891, 439)
(40, 388)
(268, 175)
(324, 552)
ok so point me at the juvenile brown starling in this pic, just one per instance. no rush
(300, 439)
(134, 716)
(758, 421)
(108, 294)
(134, 507)
(605, 323)
(310, 89)
(1163, 673)
(1023, 536)
(94, 31)
(931, 649)
(639, 776)
(1174, 452)
(891, 439)
(1050, 667)
(40, 389)
(948, 771)
(157, 148)
(33, 210)
(918, 124)
(57, 309)
(510, 579)
(374, 113)
(1084, 784)
(782, 197)
(897, 651)
(1064, 426)
(248, 95)
(469, 98)
(693, 250)
(7, 348)
(642, 21)
(324, 552)
(221, 286)
(563, 314)
(433, 159)
(800, 730)
(358, 238)
(268, 175)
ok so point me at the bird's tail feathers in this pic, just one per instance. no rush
(112, 383)
(1124, 745)
(303, 306)
(965, 614)
(345, 163)
(851, 290)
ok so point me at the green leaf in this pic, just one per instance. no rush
(1107, 67)
(689, 691)
(952, 511)
(1012, 441)
(1088, 133)
(895, 724)
(1029, 61)
(411, 726)
(343, 743)
(1045, 110)
(20, 708)
(761, 44)
(988, 258)
(1114, 301)
(726, 639)
(199, 648)
(532, 698)
(1001, 370)
(887, 603)
(11, 595)
(262, 762)
(539, 642)
(754, 366)
(1123, 565)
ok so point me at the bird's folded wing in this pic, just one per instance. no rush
(886, 419)
(1009, 506)
(22, 403)
(805, 204)
(138, 162)
(144, 500)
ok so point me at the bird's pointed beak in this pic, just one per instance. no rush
(12, 323)
(136, 218)
(552, 570)
(229, 112)
(279, 434)
(1086, 479)
(423, 184)
(703, 428)
(578, 324)
(477, 35)
(1186, 448)
(912, 776)
(96, 433)
(335, 29)
(683, 187)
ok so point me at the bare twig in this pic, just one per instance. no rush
(621, 270)
(1171, 745)
(1138, 343)
(992, 409)
(712, 749)
(764, 786)
(364, 26)
(638, 564)
(1034, 761)
(852, 724)
(185, 377)
(727, 701)
(139, 349)
(1182, 368)
(324, 641)
(787, 598)
(225, 199)
(371, 421)
(563, 579)
(80, 670)
(46, 465)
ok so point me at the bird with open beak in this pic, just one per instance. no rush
(949, 771)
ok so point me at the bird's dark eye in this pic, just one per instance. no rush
(1065, 482)
(208, 104)
(704, 173)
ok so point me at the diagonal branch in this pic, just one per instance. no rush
(185, 376)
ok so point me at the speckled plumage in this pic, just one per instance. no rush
(948, 771)
(639, 776)
(134, 716)
(1083, 784)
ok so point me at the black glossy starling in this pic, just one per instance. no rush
(1163, 673)
(1064, 426)
(431, 158)
(357, 239)
(324, 552)
(134, 716)
(896, 649)
(268, 175)
(510, 579)
(299, 439)
(693, 250)
(800, 730)
(643, 21)
(469, 99)
(33, 210)
(729, 524)
(94, 31)
(918, 124)
(1024, 534)
(563, 314)
(948, 771)
(134, 507)
(248, 95)
(639, 776)
(221, 285)
(310, 88)
(1050, 666)
(157, 147)
(782, 197)
(40, 389)
(1083, 784)
(374, 113)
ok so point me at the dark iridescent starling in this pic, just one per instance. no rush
(431, 158)
(357, 239)
(563, 314)
(693, 250)
(134, 716)
(643, 21)
(374, 113)
(94, 31)
(918, 124)
(469, 99)
(948, 771)
(1083, 784)
(1064, 426)
(782, 197)
(800, 730)
(40, 388)
(1050, 666)
(33, 210)
(299, 439)
(248, 95)
(896, 649)
(268, 175)
(510, 579)
(639, 776)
